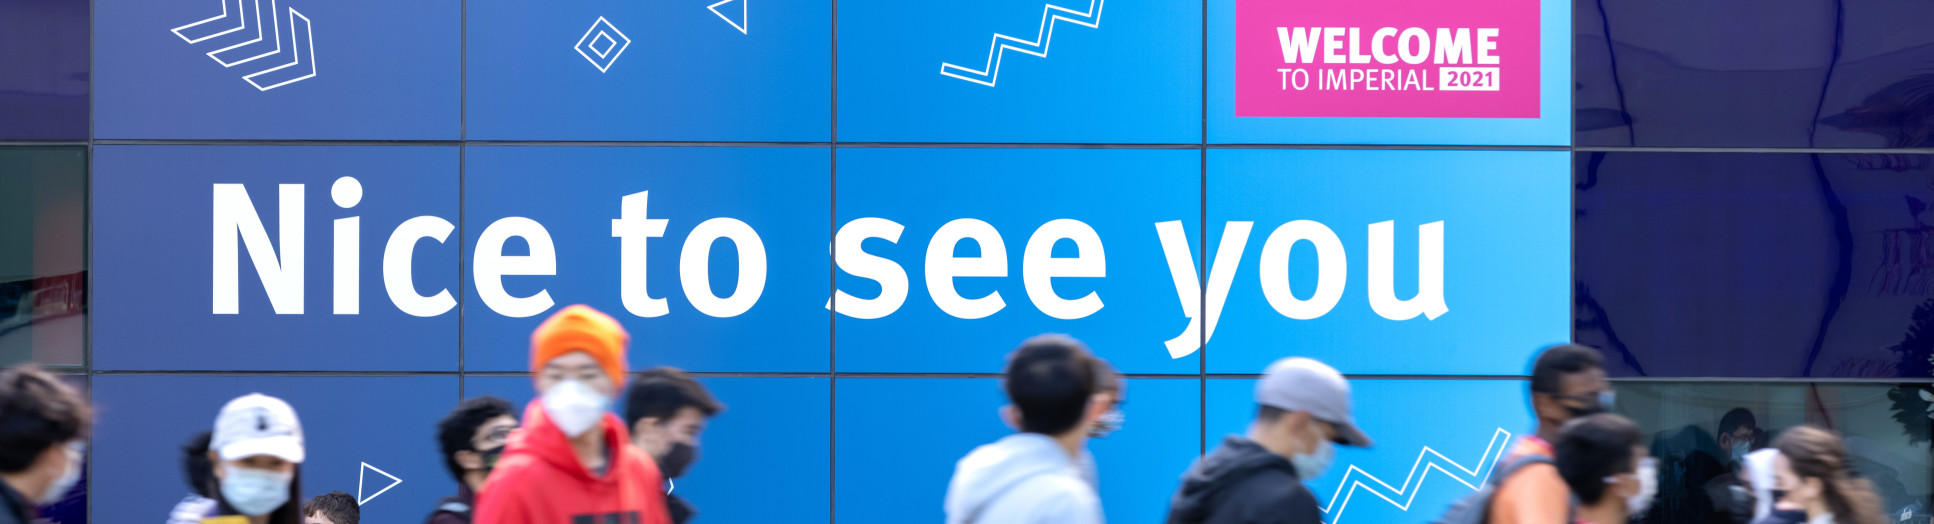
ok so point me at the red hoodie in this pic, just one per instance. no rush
(540, 481)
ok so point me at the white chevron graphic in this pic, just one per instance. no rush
(991, 72)
(1427, 459)
(267, 42)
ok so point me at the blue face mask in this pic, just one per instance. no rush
(1740, 449)
(1311, 465)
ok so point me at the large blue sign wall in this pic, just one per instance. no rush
(841, 219)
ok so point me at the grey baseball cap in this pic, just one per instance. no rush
(1302, 384)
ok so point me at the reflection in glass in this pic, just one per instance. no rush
(1696, 433)
(43, 256)
(1755, 265)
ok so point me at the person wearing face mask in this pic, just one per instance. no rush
(1112, 389)
(1812, 470)
(666, 411)
(472, 438)
(572, 461)
(44, 426)
(1034, 477)
(1732, 494)
(1567, 382)
(1603, 460)
(1303, 412)
(253, 457)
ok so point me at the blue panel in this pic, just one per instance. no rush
(1436, 441)
(1552, 127)
(153, 290)
(355, 69)
(773, 433)
(1505, 258)
(1121, 194)
(43, 89)
(927, 71)
(890, 470)
(386, 422)
(782, 194)
(649, 70)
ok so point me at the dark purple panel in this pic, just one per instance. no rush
(1756, 265)
(43, 69)
(1733, 73)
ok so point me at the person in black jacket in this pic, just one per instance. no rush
(472, 438)
(1304, 407)
(42, 426)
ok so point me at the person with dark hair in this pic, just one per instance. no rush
(1034, 476)
(43, 432)
(199, 472)
(666, 411)
(1731, 491)
(1603, 460)
(255, 455)
(1812, 470)
(472, 438)
(1567, 382)
(334, 507)
(1303, 411)
(573, 460)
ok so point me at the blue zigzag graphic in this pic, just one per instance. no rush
(1427, 459)
(989, 73)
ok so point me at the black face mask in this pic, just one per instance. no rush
(681, 456)
(1595, 403)
(490, 458)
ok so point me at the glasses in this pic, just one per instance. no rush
(497, 435)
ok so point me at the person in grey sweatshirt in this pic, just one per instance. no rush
(1036, 475)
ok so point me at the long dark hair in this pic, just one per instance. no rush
(1817, 453)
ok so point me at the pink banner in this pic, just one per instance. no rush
(1387, 58)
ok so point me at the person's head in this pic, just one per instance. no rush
(1812, 470)
(43, 428)
(1603, 459)
(666, 411)
(255, 449)
(1568, 382)
(1737, 432)
(334, 507)
(1112, 389)
(473, 436)
(1050, 383)
(578, 362)
(1303, 409)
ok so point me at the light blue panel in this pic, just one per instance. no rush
(649, 70)
(774, 432)
(1121, 194)
(1436, 441)
(239, 69)
(782, 194)
(1128, 74)
(153, 291)
(890, 470)
(1506, 257)
(388, 423)
(1551, 128)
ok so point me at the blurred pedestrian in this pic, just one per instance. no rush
(254, 455)
(1604, 461)
(572, 461)
(1112, 388)
(1303, 410)
(1034, 476)
(1812, 471)
(666, 411)
(44, 427)
(1567, 382)
(334, 507)
(472, 438)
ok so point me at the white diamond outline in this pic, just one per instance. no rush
(623, 43)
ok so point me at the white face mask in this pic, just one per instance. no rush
(67, 479)
(574, 407)
(254, 492)
(1313, 464)
(1648, 477)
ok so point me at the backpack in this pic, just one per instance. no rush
(1475, 508)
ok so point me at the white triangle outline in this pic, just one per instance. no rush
(359, 484)
(743, 10)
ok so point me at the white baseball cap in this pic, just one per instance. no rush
(257, 424)
(1301, 384)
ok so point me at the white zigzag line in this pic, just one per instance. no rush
(1492, 452)
(1042, 38)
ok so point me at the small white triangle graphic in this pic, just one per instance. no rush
(360, 500)
(739, 25)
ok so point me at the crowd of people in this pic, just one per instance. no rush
(569, 458)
